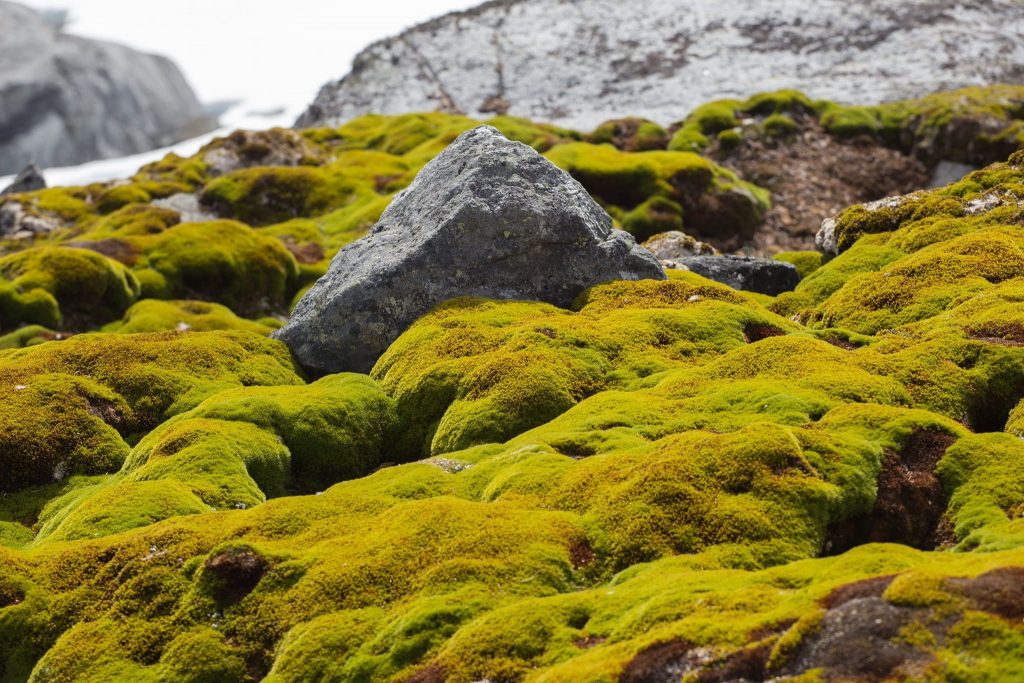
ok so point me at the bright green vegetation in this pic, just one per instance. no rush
(41, 286)
(71, 407)
(936, 127)
(152, 315)
(475, 372)
(656, 191)
(670, 474)
(806, 262)
(286, 201)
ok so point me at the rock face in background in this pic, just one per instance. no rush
(66, 100)
(486, 218)
(579, 63)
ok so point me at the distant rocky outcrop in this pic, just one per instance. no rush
(579, 63)
(486, 218)
(66, 100)
(29, 180)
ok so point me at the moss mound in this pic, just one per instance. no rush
(286, 201)
(69, 407)
(54, 286)
(673, 480)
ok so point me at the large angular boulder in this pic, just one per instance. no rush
(488, 218)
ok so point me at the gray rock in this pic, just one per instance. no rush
(29, 180)
(827, 240)
(583, 62)
(763, 276)
(948, 172)
(65, 100)
(487, 218)
(188, 207)
(18, 223)
(672, 245)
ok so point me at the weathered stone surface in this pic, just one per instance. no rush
(583, 62)
(18, 223)
(29, 180)
(672, 245)
(188, 207)
(763, 276)
(65, 100)
(245, 149)
(827, 239)
(488, 218)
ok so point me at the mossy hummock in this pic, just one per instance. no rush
(664, 480)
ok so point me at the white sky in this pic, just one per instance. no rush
(271, 52)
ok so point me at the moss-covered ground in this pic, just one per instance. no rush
(670, 481)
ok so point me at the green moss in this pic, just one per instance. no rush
(1015, 424)
(234, 451)
(850, 122)
(716, 203)
(69, 204)
(927, 282)
(56, 286)
(653, 217)
(131, 221)
(708, 119)
(120, 196)
(806, 262)
(474, 371)
(631, 134)
(151, 315)
(222, 260)
(780, 126)
(729, 139)
(666, 463)
(30, 335)
(930, 124)
(264, 195)
(777, 102)
(56, 423)
(202, 656)
(986, 479)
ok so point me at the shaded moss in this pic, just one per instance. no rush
(780, 126)
(630, 135)
(56, 286)
(715, 202)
